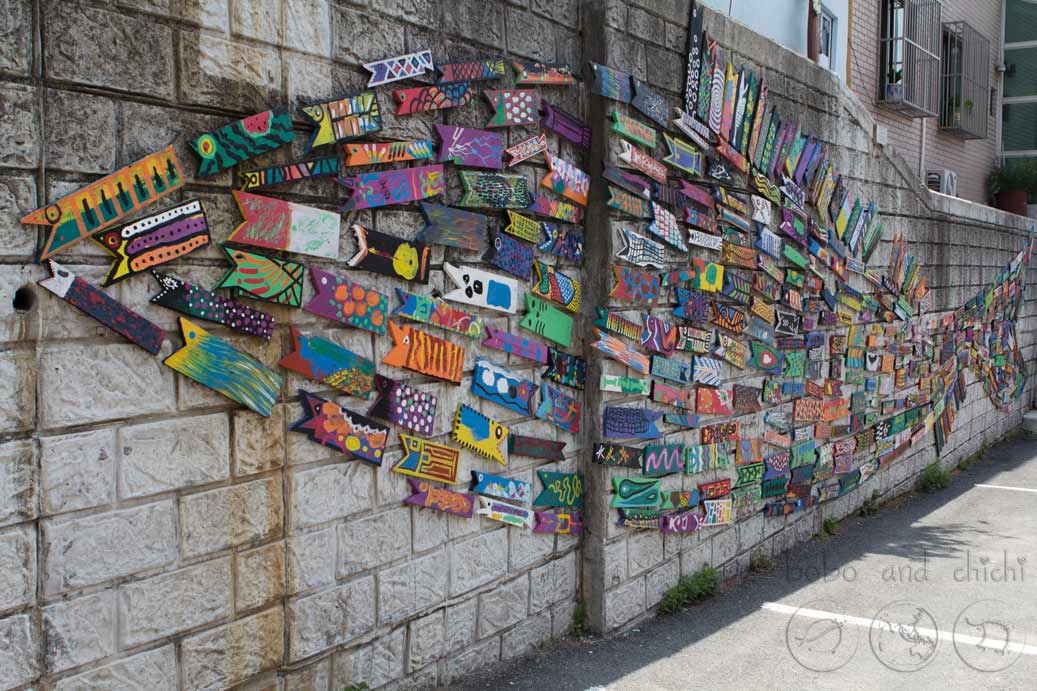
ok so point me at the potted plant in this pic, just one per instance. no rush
(1011, 185)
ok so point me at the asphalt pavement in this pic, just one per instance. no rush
(935, 591)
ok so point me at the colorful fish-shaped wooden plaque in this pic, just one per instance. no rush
(279, 225)
(105, 202)
(500, 487)
(555, 286)
(421, 352)
(343, 119)
(526, 149)
(445, 225)
(541, 205)
(428, 461)
(263, 278)
(560, 489)
(664, 459)
(224, 369)
(632, 129)
(439, 313)
(154, 240)
(329, 424)
(617, 456)
(511, 255)
(664, 226)
(538, 73)
(399, 186)
(474, 71)
(548, 321)
(370, 153)
(566, 179)
(631, 423)
(535, 447)
(626, 385)
(482, 288)
(197, 302)
(389, 255)
(570, 370)
(562, 241)
(621, 200)
(636, 158)
(422, 99)
(95, 302)
(497, 385)
(559, 408)
(241, 140)
(403, 405)
(517, 345)
(640, 250)
(476, 432)
(324, 167)
(638, 287)
(429, 496)
(347, 302)
(650, 102)
(636, 493)
(558, 523)
(400, 67)
(505, 513)
(620, 351)
(329, 363)
(513, 107)
(611, 83)
(494, 190)
(567, 126)
(465, 146)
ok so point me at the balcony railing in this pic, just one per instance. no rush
(909, 57)
(965, 92)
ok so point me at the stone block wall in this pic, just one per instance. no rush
(153, 534)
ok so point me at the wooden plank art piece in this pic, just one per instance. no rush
(497, 385)
(197, 302)
(559, 408)
(511, 255)
(638, 159)
(389, 255)
(154, 240)
(517, 345)
(103, 203)
(474, 71)
(535, 447)
(263, 278)
(347, 302)
(673, 370)
(438, 312)
(631, 423)
(400, 67)
(453, 227)
(526, 149)
(279, 225)
(666, 459)
(634, 130)
(620, 351)
(224, 369)
(718, 512)
(429, 496)
(399, 186)
(428, 461)
(329, 424)
(465, 146)
(293, 171)
(239, 141)
(570, 370)
(505, 513)
(640, 250)
(683, 398)
(611, 83)
(480, 434)
(513, 107)
(664, 226)
(403, 405)
(617, 456)
(555, 286)
(650, 102)
(683, 156)
(541, 205)
(566, 179)
(684, 522)
(636, 493)
(558, 523)
(562, 241)
(538, 73)
(630, 204)
(494, 190)
(329, 363)
(627, 385)
(706, 371)
(343, 119)
(500, 487)
(565, 125)
(564, 490)
(421, 352)
(482, 289)
(704, 457)
(96, 303)
(720, 432)
(639, 287)
(371, 153)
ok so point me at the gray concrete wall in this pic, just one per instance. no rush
(152, 533)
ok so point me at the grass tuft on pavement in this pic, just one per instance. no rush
(690, 589)
(933, 478)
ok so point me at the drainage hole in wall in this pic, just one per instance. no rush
(24, 299)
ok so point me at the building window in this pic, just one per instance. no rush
(965, 83)
(909, 57)
(827, 33)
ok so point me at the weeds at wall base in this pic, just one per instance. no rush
(689, 590)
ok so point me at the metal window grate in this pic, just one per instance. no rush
(909, 57)
(964, 96)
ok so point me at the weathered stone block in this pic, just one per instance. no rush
(18, 653)
(658, 581)
(173, 454)
(17, 198)
(230, 516)
(210, 14)
(228, 655)
(645, 550)
(17, 390)
(615, 566)
(17, 482)
(15, 37)
(154, 670)
(429, 529)
(202, 595)
(334, 491)
(412, 587)
(85, 551)
(79, 631)
(316, 677)
(526, 637)
(624, 603)
(504, 606)
(307, 26)
(77, 471)
(525, 33)
(310, 560)
(526, 547)
(125, 381)
(329, 618)
(108, 49)
(375, 664)
(258, 441)
(21, 148)
(461, 621)
(353, 47)
(471, 660)
(229, 74)
(373, 541)
(259, 576)
(256, 19)
(552, 582)
(472, 18)
(65, 147)
(17, 566)
(478, 561)
(427, 639)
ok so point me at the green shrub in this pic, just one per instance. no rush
(760, 562)
(578, 625)
(870, 507)
(933, 478)
(362, 686)
(690, 589)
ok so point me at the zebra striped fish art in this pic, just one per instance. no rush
(421, 352)
(324, 167)
(224, 369)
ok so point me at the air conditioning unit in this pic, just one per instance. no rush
(942, 181)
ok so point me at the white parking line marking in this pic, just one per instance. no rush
(779, 608)
(1013, 489)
